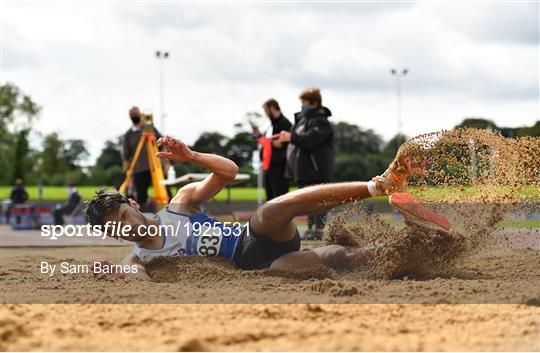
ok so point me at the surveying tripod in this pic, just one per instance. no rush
(156, 171)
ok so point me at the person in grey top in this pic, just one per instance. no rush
(141, 176)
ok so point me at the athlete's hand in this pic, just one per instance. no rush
(178, 150)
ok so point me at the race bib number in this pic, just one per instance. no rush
(206, 238)
(209, 240)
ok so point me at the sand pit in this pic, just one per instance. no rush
(503, 275)
(232, 327)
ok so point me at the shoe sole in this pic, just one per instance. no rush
(414, 212)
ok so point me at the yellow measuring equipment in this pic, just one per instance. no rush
(156, 171)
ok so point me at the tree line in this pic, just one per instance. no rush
(360, 153)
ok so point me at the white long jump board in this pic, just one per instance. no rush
(193, 177)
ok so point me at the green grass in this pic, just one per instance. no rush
(240, 194)
(55, 193)
(250, 194)
(529, 192)
(517, 223)
(521, 223)
(50, 193)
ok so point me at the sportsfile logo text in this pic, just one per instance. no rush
(119, 230)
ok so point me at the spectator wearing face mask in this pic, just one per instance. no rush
(311, 155)
(141, 177)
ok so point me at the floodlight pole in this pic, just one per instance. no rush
(161, 56)
(398, 74)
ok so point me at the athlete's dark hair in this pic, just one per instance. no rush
(104, 202)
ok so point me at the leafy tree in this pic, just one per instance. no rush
(358, 152)
(240, 148)
(98, 176)
(76, 176)
(352, 139)
(21, 151)
(15, 105)
(211, 142)
(185, 168)
(17, 111)
(74, 152)
(392, 146)
(51, 157)
(351, 167)
(478, 123)
(59, 161)
(530, 131)
(112, 176)
(111, 154)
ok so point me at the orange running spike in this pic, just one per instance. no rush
(414, 212)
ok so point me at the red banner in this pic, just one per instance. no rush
(266, 144)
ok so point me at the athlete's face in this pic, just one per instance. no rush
(126, 223)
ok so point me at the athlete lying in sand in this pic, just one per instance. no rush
(270, 239)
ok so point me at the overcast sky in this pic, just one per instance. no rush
(86, 64)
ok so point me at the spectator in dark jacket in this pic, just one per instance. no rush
(311, 154)
(275, 182)
(18, 193)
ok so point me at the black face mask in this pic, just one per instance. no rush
(136, 119)
(305, 107)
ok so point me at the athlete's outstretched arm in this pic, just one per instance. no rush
(223, 171)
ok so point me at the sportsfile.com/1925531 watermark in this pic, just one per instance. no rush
(119, 229)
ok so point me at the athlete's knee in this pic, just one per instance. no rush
(274, 210)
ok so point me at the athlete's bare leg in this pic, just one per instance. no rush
(334, 256)
(275, 218)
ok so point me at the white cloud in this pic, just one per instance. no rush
(495, 21)
(87, 63)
